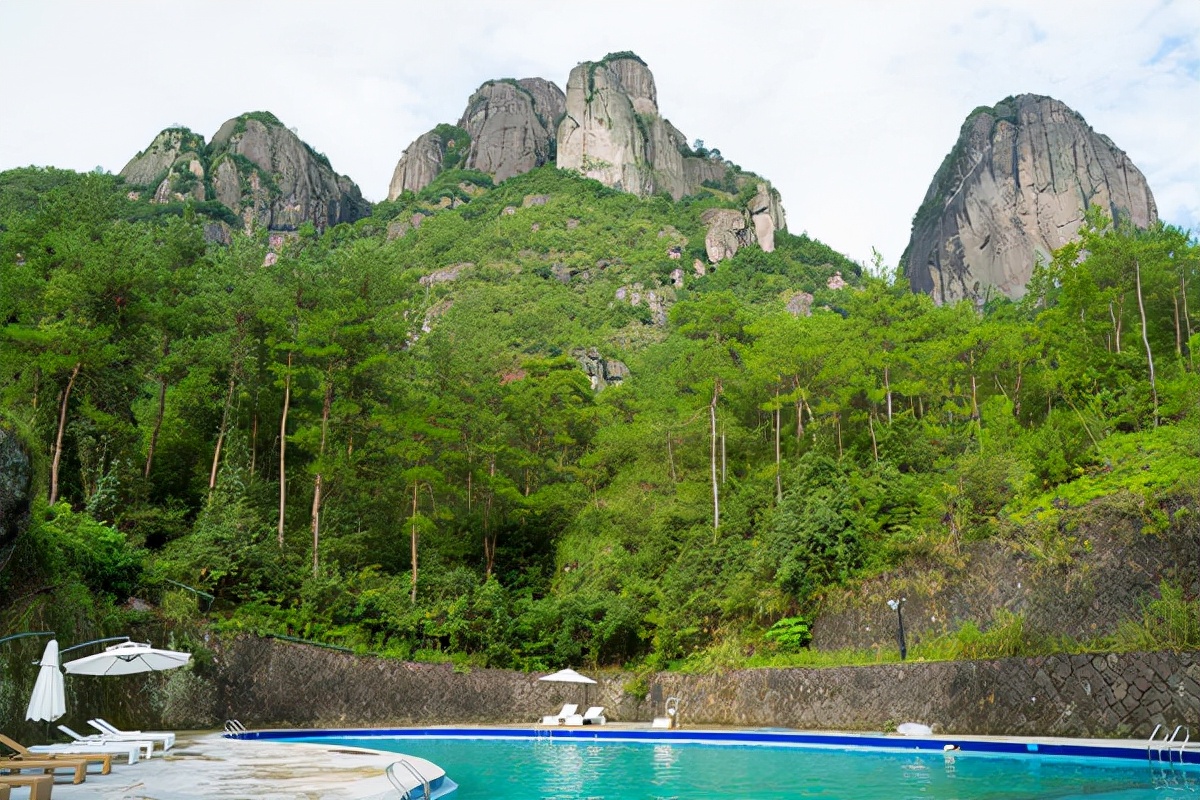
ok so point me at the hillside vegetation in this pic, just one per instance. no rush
(382, 437)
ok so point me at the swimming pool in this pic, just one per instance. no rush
(500, 764)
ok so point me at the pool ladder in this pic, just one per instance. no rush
(1167, 743)
(234, 727)
(406, 792)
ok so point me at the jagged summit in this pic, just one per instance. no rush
(1014, 187)
(506, 129)
(256, 167)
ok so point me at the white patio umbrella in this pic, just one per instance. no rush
(569, 676)
(48, 701)
(127, 658)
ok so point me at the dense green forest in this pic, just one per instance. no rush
(387, 442)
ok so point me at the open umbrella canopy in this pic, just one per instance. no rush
(126, 659)
(566, 676)
(48, 701)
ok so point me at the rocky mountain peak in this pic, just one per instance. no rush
(256, 167)
(266, 174)
(1014, 187)
(507, 129)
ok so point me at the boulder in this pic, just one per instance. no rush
(602, 372)
(1014, 188)
(727, 233)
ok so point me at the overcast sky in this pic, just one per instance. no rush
(848, 107)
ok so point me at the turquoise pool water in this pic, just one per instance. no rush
(545, 769)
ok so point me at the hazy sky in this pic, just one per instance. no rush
(848, 107)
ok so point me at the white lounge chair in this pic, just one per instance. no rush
(144, 745)
(593, 716)
(568, 709)
(131, 750)
(166, 737)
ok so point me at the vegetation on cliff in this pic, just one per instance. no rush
(382, 436)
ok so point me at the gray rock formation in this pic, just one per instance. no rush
(601, 371)
(267, 175)
(173, 166)
(1014, 188)
(613, 132)
(730, 229)
(511, 125)
(507, 129)
(419, 164)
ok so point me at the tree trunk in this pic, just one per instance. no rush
(414, 544)
(253, 442)
(1178, 329)
(671, 458)
(158, 419)
(317, 482)
(1187, 321)
(874, 443)
(212, 474)
(887, 385)
(712, 416)
(287, 399)
(1137, 272)
(62, 426)
(837, 421)
(778, 476)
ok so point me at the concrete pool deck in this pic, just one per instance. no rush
(207, 765)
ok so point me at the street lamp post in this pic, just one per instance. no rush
(898, 607)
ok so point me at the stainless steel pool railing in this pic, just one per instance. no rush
(405, 784)
(233, 726)
(1167, 743)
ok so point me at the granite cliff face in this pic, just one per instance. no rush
(506, 129)
(613, 132)
(266, 174)
(511, 125)
(1014, 188)
(256, 167)
(173, 166)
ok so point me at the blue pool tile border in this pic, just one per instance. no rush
(747, 737)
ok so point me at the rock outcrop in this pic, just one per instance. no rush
(613, 132)
(267, 175)
(172, 166)
(1014, 188)
(511, 125)
(256, 167)
(730, 229)
(507, 129)
(419, 164)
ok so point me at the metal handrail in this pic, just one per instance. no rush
(406, 794)
(234, 726)
(1186, 738)
(1150, 741)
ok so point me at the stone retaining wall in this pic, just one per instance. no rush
(269, 683)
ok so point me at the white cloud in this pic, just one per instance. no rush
(848, 107)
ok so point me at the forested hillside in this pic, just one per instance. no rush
(384, 436)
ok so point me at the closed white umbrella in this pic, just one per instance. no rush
(127, 658)
(48, 701)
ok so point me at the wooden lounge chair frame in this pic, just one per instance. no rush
(46, 765)
(40, 786)
(23, 752)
